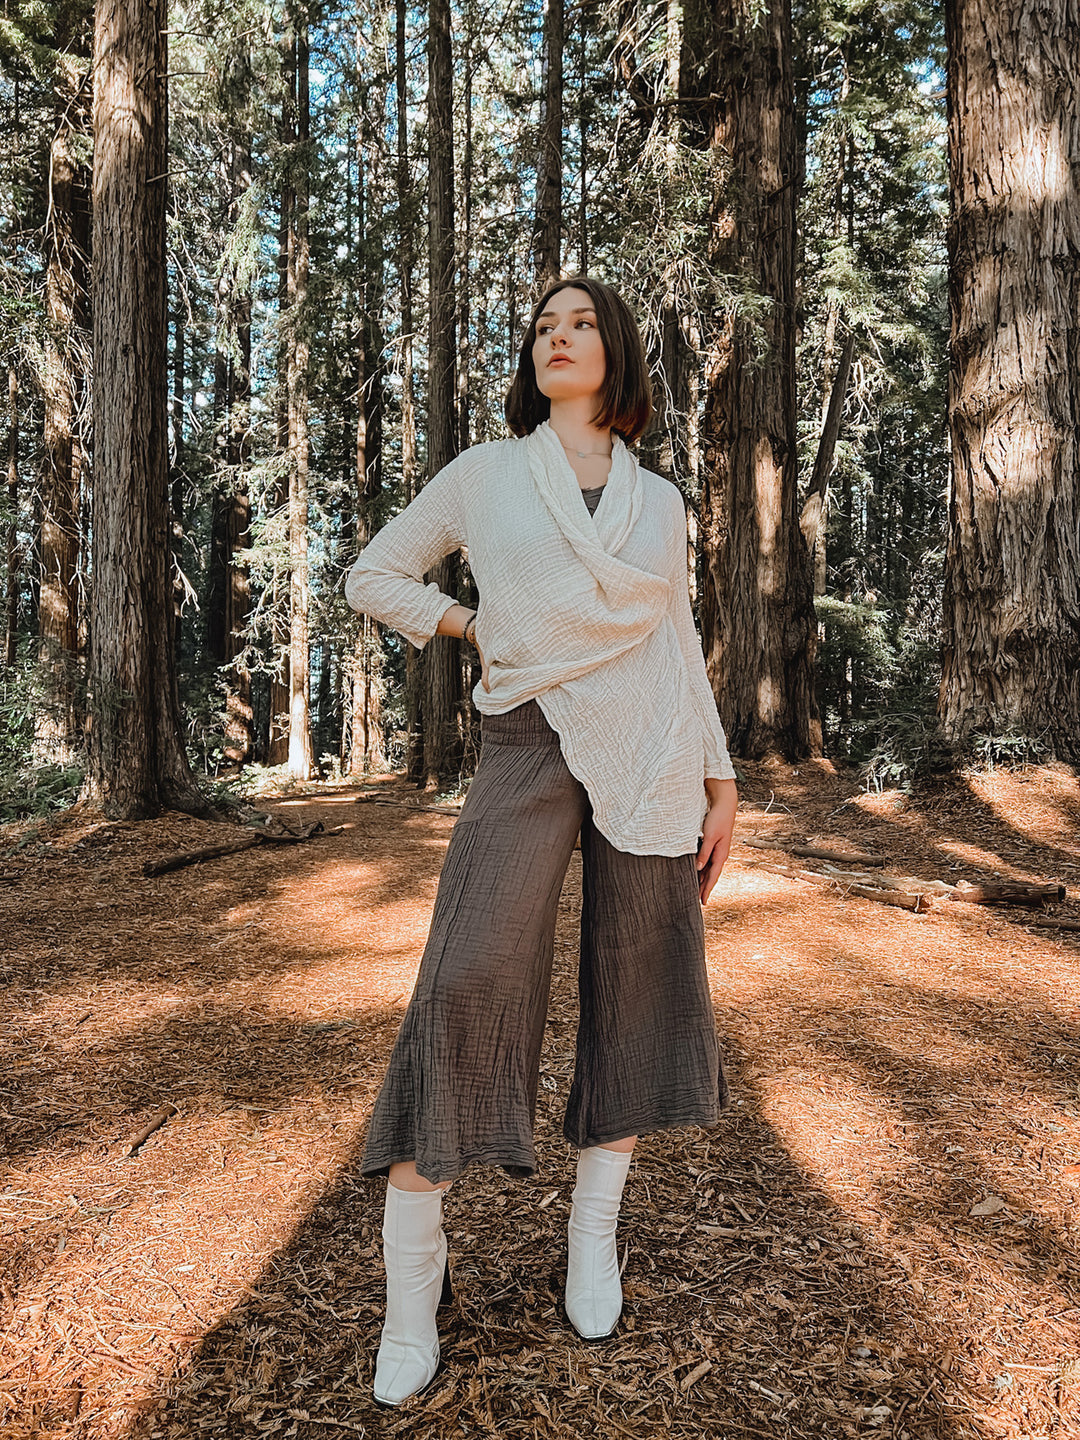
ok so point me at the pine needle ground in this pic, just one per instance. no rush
(879, 1239)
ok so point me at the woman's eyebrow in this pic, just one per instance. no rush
(578, 310)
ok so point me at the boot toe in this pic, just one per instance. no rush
(594, 1317)
(402, 1371)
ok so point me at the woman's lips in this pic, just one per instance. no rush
(559, 360)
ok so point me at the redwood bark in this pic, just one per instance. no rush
(230, 587)
(1011, 643)
(137, 759)
(442, 672)
(757, 610)
(547, 248)
(67, 242)
(301, 753)
(414, 751)
(11, 598)
(366, 750)
(815, 504)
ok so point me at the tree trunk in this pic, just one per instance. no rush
(547, 246)
(366, 751)
(137, 759)
(756, 612)
(441, 691)
(277, 747)
(414, 747)
(67, 242)
(812, 520)
(229, 599)
(301, 756)
(11, 605)
(1011, 644)
(176, 489)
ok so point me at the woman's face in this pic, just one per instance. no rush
(568, 352)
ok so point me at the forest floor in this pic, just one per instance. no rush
(880, 1238)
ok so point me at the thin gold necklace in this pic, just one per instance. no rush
(585, 454)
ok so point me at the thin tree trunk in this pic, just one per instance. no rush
(756, 612)
(1011, 652)
(67, 241)
(229, 599)
(442, 684)
(301, 756)
(464, 417)
(137, 759)
(414, 749)
(240, 720)
(277, 749)
(176, 489)
(547, 247)
(366, 744)
(11, 606)
(812, 520)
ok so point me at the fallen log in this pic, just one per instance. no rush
(816, 852)
(192, 857)
(911, 883)
(232, 847)
(916, 903)
(1050, 922)
(408, 805)
(1008, 892)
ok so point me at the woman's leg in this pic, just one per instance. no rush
(404, 1176)
(462, 1080)
(647, 1053)
(647, 1056)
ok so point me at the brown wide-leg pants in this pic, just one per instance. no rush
(461, 1085)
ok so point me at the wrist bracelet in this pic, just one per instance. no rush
(469, 632)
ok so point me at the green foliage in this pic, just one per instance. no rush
(28, 787)
(877, 694)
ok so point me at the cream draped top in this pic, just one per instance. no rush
(589, 615)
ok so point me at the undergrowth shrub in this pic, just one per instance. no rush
(28, 787)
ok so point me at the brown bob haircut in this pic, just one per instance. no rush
(626, 395)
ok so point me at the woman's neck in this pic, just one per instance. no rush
(572, 422)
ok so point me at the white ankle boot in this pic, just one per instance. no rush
(417, 1281)
(593, 1289)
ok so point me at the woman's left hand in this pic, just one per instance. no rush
(716, 833)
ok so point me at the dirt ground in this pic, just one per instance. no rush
(879, 1239)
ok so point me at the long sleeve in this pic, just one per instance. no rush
(386, 580)
(718, 764)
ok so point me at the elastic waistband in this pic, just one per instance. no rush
(524, 725)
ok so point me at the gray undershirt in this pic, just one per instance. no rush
(592, 497)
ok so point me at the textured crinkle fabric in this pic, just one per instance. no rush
(587, 614)
(462, 1082)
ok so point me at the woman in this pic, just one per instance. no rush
(598, 718)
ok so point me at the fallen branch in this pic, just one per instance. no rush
(906, 900)
(815, 852)
(1049, 922)
(1008, 892)
(151, 1125)
(408, 805)
(913, 884)
(232, 847)
(917, 904)
(192, 857)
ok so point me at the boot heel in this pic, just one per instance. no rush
(447, 1296)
